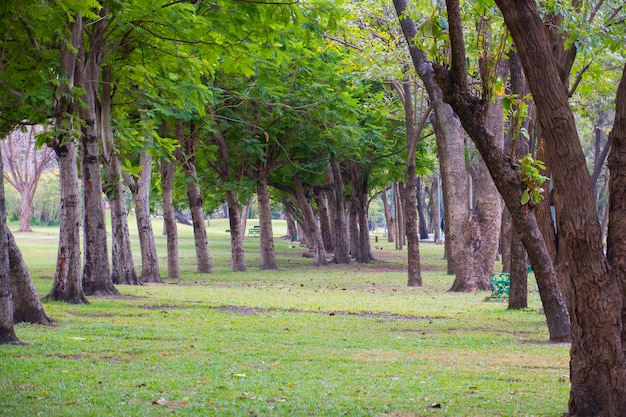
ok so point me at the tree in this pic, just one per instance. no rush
(597, 299)
(7, 332)
(452, 84)
(24, 164)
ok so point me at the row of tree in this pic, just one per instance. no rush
(316, 106)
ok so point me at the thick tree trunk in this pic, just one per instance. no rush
(204, 262)
(67, 284)
(96, 273)
(168, 170)
(27, 307)
(597, 365)
(413, 250)
(238, 260)
(268, 256)
(123, 264)
(150, 271)
(616, 244)
(340, 230)
(518, 296)
(389, 219)
(7, 331)
(310, 224)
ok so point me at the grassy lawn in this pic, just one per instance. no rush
(332, 341)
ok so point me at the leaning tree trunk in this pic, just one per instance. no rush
(340, 230)
(268, 256)
(122, 262)
(27, 307)
(7, 331)
(236, 233)
(168, 169)
(140, 189)
(310, 224)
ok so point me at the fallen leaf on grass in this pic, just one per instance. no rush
(166, 403)
(436, 405)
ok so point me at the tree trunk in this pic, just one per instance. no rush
(204, 262)
(340, 231)
(391, 224)
(25, 213)
(310, 224)
(7, 331)
(616, 245)
(423, 224)
(292, 229)
(27, 307)
(96, 273)
(518, 296)
(236, 233)
(268, 256)
(140, 188)
(597, 365)
(398, 203)
(353, 228)
(322, 209)
(67, 285)
(168, 170)
(123, 264)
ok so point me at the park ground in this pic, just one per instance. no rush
(301, 341)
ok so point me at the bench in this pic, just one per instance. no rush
(500, 284)
(254, 231)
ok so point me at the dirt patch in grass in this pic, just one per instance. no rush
(365, 314)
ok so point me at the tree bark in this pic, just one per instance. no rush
(204, 262)
(67, 284)
(398, 204)
(597, 365)
(140, 189)
(27, 307)
(122, 262)
(310, 224)
(340, 230)
(518, 295)
(236, 233)
(322, 208)
(423, 224)
(168, 170)
(268, 256)
(389, 219)
(7, 331)
(96, 273)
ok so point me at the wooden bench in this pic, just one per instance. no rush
(500, 284)
(254, 231)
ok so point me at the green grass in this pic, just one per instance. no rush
(332, 341)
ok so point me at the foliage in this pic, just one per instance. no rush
(528, 167)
